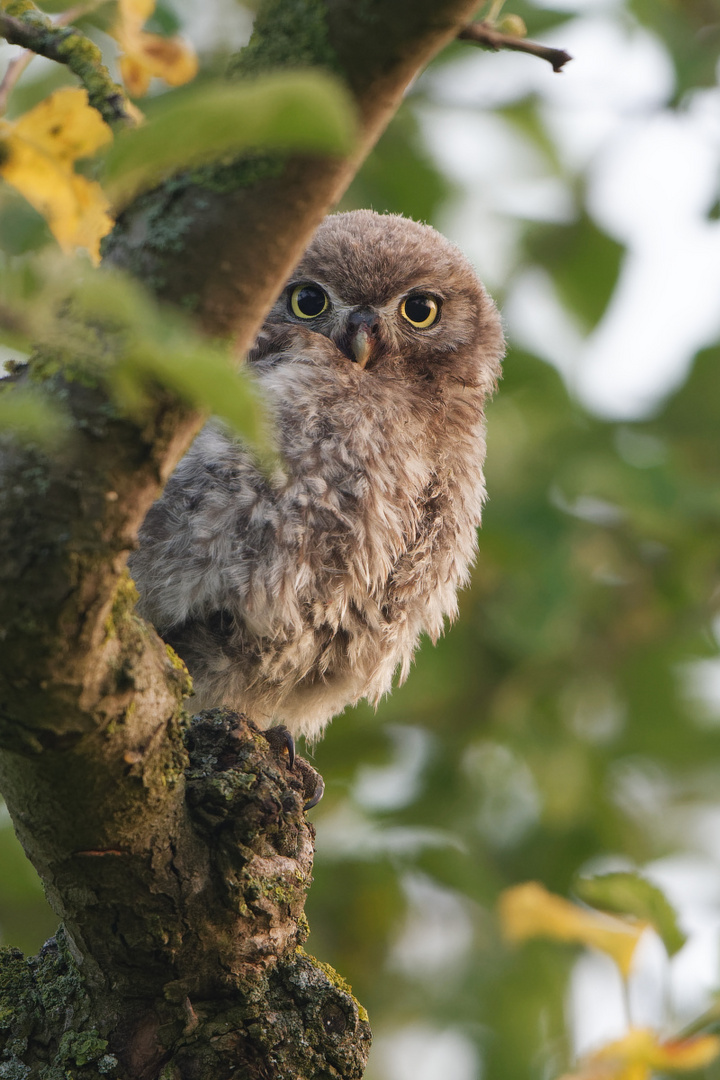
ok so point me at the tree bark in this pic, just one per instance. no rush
(175, 853)
(180, 952)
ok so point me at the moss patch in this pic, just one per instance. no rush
(288, 35)
(124, 601)
(44, 1016)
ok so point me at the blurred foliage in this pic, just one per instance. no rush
(557, 732)
(633, 894)
(103, 327)
(583, 263)
(400, 177)
(25, 918)
(304, 110)
(31, 416)
(690, 30)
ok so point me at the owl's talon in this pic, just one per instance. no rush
(317, 794)
(280, 739)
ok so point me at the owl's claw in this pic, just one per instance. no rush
(316, 795)
(280, 739)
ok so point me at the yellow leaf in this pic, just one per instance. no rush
(38, 154)
(168, 58)
(135, 77)
(148, 56)
(136, 12)
(640, 1051)
(92, 220)
(685, 1054)
(64, 126)
(530, 911)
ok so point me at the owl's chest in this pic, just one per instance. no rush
(373, 511)
(370, 499)
(358, 478)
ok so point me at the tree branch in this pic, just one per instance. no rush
(181, 943)
(21, 23)
(483, 34)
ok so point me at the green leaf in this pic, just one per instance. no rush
(156, 345)
(102, 325)
(201, 375)
(163, 21)
(31, 417)
(20, 285)
(22, 228)
(626, 893)
(691, 34)
(303, 110)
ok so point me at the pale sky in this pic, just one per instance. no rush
(652, 175)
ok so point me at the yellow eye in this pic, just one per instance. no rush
(421, 310)
(308, 301)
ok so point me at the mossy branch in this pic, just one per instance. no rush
(21, 23)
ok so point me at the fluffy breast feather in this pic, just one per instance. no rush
(292, 594)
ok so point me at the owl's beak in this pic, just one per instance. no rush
(362, 346)
(363, 326)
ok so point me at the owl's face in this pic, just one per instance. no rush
(395, 297)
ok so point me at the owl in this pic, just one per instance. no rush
(294, 592)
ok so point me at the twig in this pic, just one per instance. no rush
(33, 30)
(483, 34)
(14, 70)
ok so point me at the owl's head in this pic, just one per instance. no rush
(396, 298)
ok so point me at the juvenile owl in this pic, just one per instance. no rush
(292, 595)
